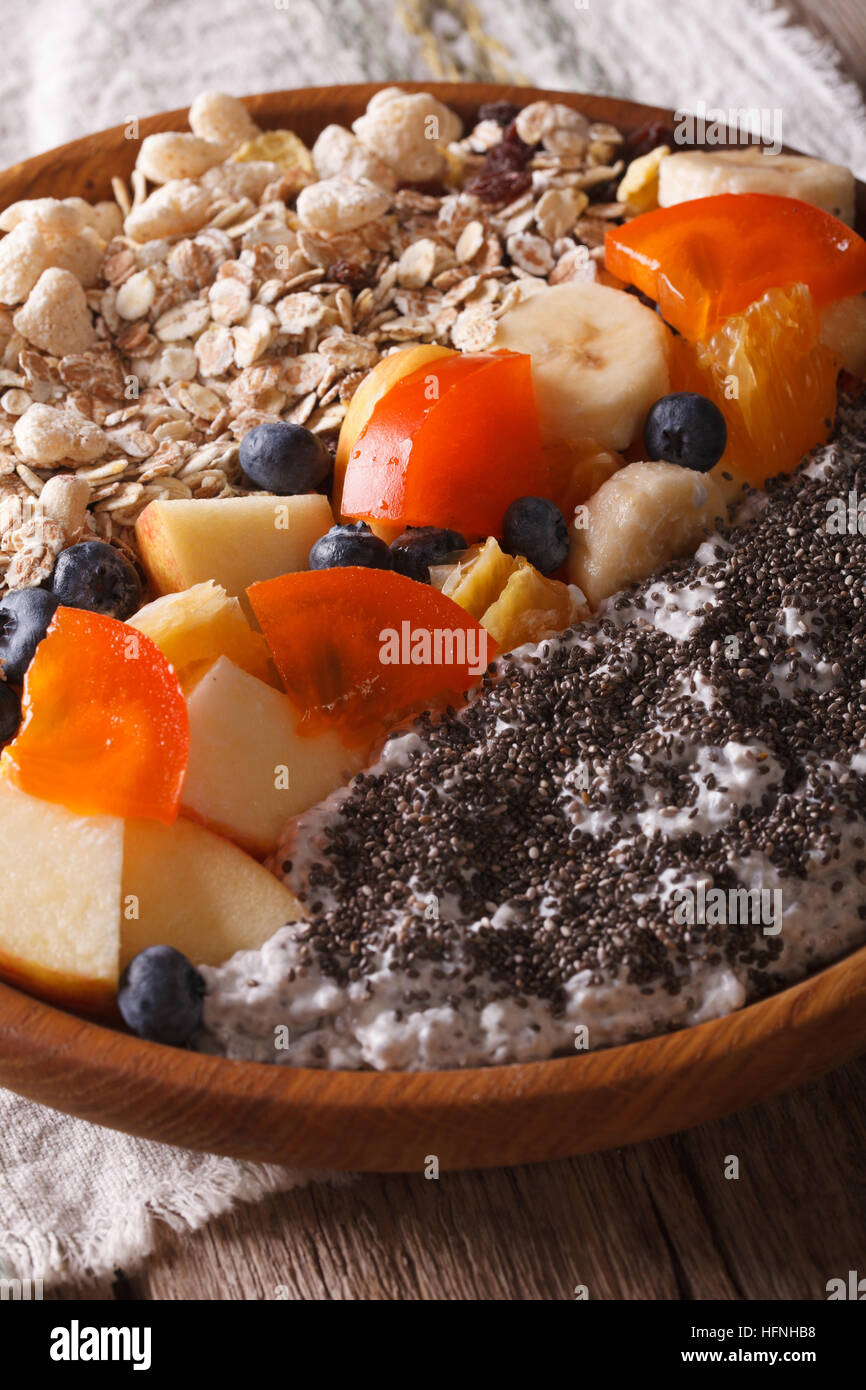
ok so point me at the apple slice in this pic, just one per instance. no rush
(185, 887)
(195, 626)
(232, 540)
(60, 904)
(249, 769)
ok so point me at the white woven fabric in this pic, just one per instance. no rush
(76, 1200)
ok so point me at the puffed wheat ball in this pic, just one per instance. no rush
(56, 318)
(222, 119)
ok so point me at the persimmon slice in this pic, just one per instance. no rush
(451, 445)
(358, 646)
(104, 728)
(709, 258)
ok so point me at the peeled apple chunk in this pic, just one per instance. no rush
(60, 904)
(104, 728)
(185, 887)
(450, 445)
(232, 540)
(599, 361)
(709, 258)
(644, 516)
(250, 767)
(356, 646)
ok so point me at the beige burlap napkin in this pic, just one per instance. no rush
(76, 1200)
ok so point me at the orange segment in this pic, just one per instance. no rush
(105, 729)
(771, 378)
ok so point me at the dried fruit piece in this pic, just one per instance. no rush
(356, 647)
(281, 147)
(531, 608)
(709, 258)
(450, 445)
(478, 579)
(195, 626)
(105, 729)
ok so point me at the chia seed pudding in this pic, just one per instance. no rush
(504, 883)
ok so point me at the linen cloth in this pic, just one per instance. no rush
(76, 1200)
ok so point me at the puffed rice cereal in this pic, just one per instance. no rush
(408, 132)
(46, 434)
(55, 316)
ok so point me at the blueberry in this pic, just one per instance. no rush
(97, 576)
(535, 528)
(24, 618)
(10, 712)
(686, 428)
(160, 996)
(419, 547)
(352, 544)
(284, 458)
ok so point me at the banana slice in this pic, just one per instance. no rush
(843, 331)
(599, 360)
(642, 517)
(703, 173)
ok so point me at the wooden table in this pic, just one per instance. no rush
(658, 1221)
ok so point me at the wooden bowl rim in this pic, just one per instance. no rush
(55, 1056)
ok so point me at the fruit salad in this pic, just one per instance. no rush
(420, 636)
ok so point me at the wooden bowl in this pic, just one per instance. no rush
(393, 1120)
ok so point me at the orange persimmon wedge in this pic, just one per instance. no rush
(358, 646)
(104, 728)
(709, 258)
(451, 445)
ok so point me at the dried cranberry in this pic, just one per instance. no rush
(355, 277)
(499, 185)
(502, 112)
(647, 137)
(431, 188)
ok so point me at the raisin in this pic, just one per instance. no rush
(431, 188)
(604, 192)
(506, 156)
(644, 298)
(499, 185)
(502, 112)
(647, 137)
(512, 138)
(355, 277)
(650, 304)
